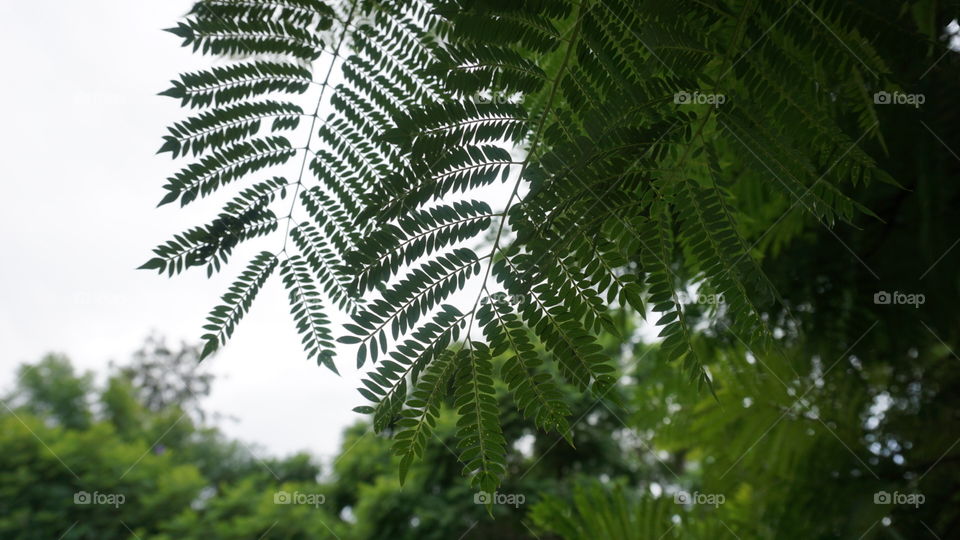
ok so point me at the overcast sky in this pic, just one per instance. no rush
(81, 180)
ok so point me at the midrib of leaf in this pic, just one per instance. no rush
(254, 281)
(452, 172)
(535, 142)
(413, 363)
(562, 335)
(321, 260)
(495, 118)
(534, 387)
(421, 294)
(681, 315)
(304, 299)
(603, 262)
(262, 3)
(223, 167)
(719, 253)
(481, 430)
(434, 391)
(214, 86)
(313, 123)
(255, 117)
(264, 35)
(399, 198)
(581, 292)
(514, 67)
(366, 268)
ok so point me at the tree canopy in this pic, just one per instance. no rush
(488, 189)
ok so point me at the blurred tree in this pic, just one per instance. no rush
(127, 461)
(53, 390)
(246, 510)
(67, 483)
(166, 378)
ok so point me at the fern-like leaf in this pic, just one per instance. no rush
(239, 297)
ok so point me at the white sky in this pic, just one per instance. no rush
(81, 180)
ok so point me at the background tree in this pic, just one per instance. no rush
(128, 470)
(167, 378)
(51, 388)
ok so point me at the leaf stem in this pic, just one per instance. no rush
(323, 88)
(535, 142)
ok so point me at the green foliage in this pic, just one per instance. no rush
(44, 468)
(52, 389)
(181, 479)
(231, 124)
(631, 191)
(139, 465)
(226, 165)
(237, 301)
(596, 513)
(304, 300)
(480, 440)
(420, 418)
(224, 85)
(245, 509)
(536, 393)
